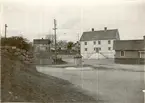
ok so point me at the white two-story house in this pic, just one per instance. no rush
(98, 44)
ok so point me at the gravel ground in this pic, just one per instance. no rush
(109, 86)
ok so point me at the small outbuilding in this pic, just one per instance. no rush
(129, 51)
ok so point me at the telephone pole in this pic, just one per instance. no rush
(55, 40)
(6, 30)
(78, 37)
(78, 44)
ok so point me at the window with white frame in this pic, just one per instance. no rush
(85, 43)
(99, 49)
(122, 53)
(109, 41)
(94, 42)
(99, 42)
(109, 48)
(86, 49)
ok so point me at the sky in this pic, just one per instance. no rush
(34, 18)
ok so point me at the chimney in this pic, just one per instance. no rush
(92, 29)
(105, 28)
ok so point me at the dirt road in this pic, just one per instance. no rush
(110, 86)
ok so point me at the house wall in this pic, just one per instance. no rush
(130, 57)
(129, 60)
(90, 46)
(41, 47)
(128, 54)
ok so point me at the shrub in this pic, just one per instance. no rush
(17, 41)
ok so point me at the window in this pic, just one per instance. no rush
(94, 49)
(99, 49)
(85, 49)
(99, 42)
(122, 53)
(85, 43)
(109, 42)
(109, 48)
(94, 42)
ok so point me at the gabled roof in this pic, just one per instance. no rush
(129, 45)
(41, 41)
(100, 35)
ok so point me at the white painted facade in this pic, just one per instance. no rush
(41, 47)
(106, 50)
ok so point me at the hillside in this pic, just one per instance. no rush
(22, 83)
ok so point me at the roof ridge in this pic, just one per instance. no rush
(99, 30)
(100, 35)
(131, 40)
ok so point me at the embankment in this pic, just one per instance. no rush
(20, 82)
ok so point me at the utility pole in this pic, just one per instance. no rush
(55, 40)
(78, 37)
(6, 30)
(78, 44)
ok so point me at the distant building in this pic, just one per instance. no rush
(98, 44)
(42, 52)
(130, 51)
(41, 44)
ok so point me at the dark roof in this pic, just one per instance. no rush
(129, 45)
(41, 41)
(100, 35)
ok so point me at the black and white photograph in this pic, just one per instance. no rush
(72, 51)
